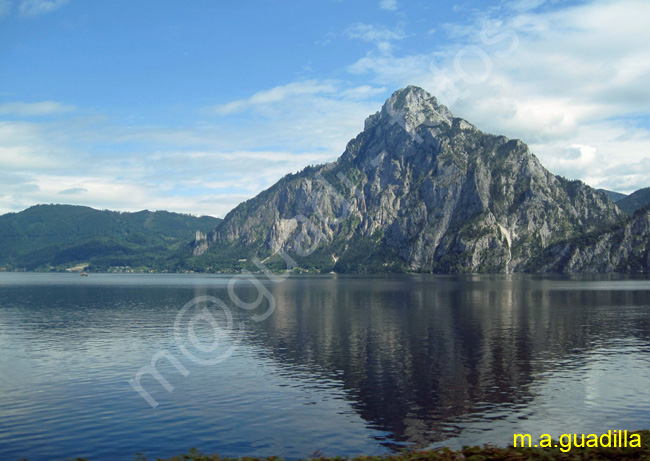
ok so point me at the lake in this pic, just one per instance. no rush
(332, 365)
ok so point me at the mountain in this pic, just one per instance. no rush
(63, 236)
(621, 248)
(613, 196)
(419, 190)
(634, 201)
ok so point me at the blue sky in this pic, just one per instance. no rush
(195, 106)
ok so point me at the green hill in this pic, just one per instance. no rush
(57, 237)
(634, 201)
(613, 196)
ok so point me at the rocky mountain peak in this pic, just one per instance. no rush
(410, 99)
(421, 190)
(411, 107)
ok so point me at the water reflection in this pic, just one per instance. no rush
(347, 365)
(420, 353)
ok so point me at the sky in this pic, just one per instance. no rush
(195, 106)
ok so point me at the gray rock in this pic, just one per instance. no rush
(418, 190)
(622, 248)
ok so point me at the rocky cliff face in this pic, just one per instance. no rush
(623, 248)
(418, 189)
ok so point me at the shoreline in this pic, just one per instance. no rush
(558, 451)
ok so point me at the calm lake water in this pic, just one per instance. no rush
(343, 365)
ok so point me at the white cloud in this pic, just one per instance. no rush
(28, 147)
(204, 169)
(37, 7)
(526, 5)
(275, 95)
(73, 191)
(380, 36)
(575, 76)
(390, 5)
(301, 117)
(103, 193)
(396, 72)
(628, 177)
(28, 109)
(607, 155)
(362, 92)
(576, 157)
(554, 79)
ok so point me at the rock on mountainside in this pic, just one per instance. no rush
(418, 189)
(623, 248)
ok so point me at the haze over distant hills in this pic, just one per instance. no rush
(417, 190)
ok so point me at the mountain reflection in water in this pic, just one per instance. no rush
(421, 355)
(345, 365)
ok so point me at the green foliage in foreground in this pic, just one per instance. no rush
(487, 452)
